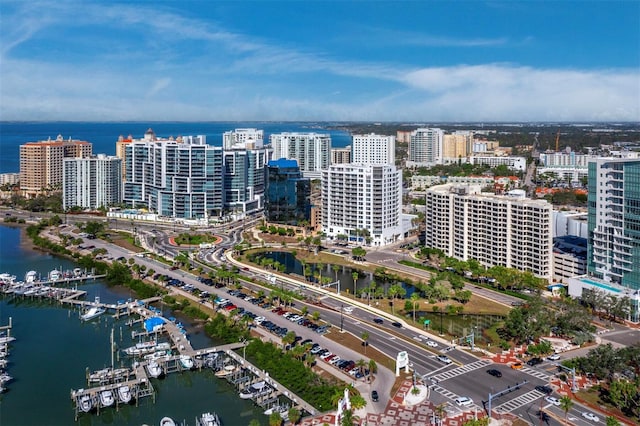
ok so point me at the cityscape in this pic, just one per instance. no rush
(320, 213)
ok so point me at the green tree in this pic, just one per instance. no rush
(294, 415)
(612, 421)
(275, 419)
(415, 300)
(566, 403)
(365, 340)
(354, 277)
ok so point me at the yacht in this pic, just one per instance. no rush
(94, 310)
(143, 348)
(124, 394)
(255, 390)
(208, 419)
(225, 371)
(85, 403)
(55, 275)
(279, 408)
(154, 369)
(186, 361)
(106, 398)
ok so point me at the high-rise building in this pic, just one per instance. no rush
(175, 178)
(425, 147)
(373, 149)
(456, 147)
(508, 230)
(287, 198)
(312, 151)
(243, 138)
(613, 245)
(41, 163)
(122, 142)
(91, 182)
(363, 202)
(341, 155)
(245, 179)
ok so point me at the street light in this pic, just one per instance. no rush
(341, 317)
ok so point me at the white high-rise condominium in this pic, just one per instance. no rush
(363, 202)
(425, 147)
(508, 230)
(373, 149)
(613, 244)
(243, 138)
(91, 182)
(312, 151)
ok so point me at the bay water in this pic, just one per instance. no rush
(53, 350)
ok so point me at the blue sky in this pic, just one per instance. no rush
(404, 61)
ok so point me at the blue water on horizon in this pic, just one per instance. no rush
(104, 135)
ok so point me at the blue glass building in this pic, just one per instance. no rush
(288, 193)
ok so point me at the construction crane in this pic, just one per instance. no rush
(558, 141)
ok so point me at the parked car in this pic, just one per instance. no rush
(494, 372)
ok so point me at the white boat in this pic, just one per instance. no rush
(208, 419)
(154, 369)
(85, 403)
(106, 398)
(167, 421)
(124, 394)
(55, 275)
(7, 278)
(94, 310)
(31, 277)
(4, 378)
(255, 390)
(6, 339)
(157, 355)
(32, 291)
(141, 348)
(186, 361)
(228, 369)
(282, 409)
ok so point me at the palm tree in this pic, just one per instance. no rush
(415, 299)
(289, 338)
(354, 275)
(361, 364)
(365, 338)
(336, 268)
(441, 411)
(373, 368)
(294, 415)
(566, 403)
(392, 292)
(275, 419)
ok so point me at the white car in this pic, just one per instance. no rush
(552, 400)
(432, 343)
(444, 358)
(553, 357)
(590, 416)
(463, 401)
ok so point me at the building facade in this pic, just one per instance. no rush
(373, 149)
(312, 151)
(613, 249)
(341, 155)
(243, 138)
(287, 197)
(363, 202)
(245, 179)
(456, 147)
(92, 182)
(175, 179)
(509, 230)
(569, 257)
(425, 147)
(41, 163)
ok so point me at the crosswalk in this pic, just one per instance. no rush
(536, 373)
(445, 375)
(518, 402)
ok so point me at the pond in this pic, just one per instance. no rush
(333, 273)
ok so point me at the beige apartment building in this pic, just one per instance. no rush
(507, 230)
(41, 163)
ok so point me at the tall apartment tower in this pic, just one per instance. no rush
(92, 182)
(509, 230)
(373, 149)
(41, 163)
(357, 197)
(341, 155)
(174, 178)
(244, 178)
(613, 244)
(312, 151)
(425, 147)
(288, 193)
(456, 147)
(243, 138)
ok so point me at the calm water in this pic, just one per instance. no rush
(53, 349)
(103, 136)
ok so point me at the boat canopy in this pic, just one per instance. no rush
(153, 323)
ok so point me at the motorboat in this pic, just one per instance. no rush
(85, 403)
(157, 355)
(106, 398)
(124, 394)
(55, 275)
(107, 374)
(208, 419)
(7, 278)
(154, 369)
(6, 339)
(186, 361)
(144, 348)
(4, 378)
(255, 390)
(279, 408)
(225, 371)
(167, 421)
(94, 310)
